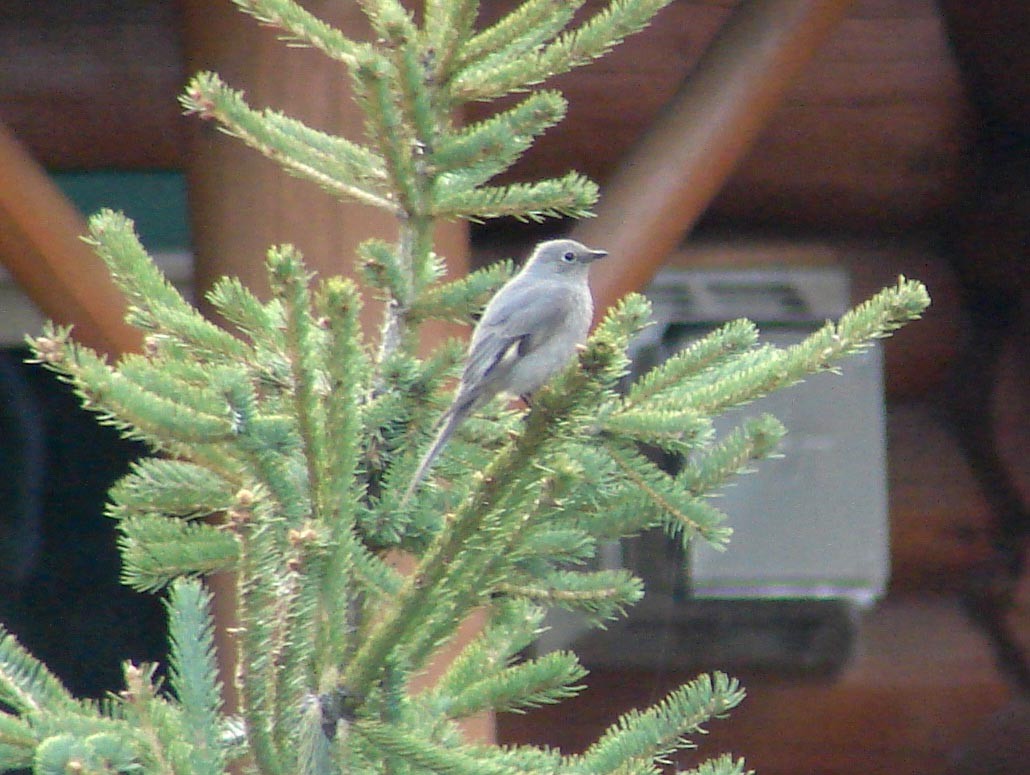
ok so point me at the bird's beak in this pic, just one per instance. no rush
(597, 254)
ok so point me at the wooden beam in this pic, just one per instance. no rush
(41, 246)
(668, 180)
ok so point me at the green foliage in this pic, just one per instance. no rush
(304, 429)
(284, 442)
(661, 729)
(26, 685)
(193, 677)
(459, 300)
(139, 731)
(415, 162)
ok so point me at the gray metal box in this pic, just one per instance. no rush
(811, 540)
(812, 523)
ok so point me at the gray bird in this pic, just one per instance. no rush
(528, 332)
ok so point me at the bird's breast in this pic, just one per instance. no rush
(553, 350)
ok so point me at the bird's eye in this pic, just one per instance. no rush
(569, 257)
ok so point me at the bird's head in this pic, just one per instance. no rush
(562, 257)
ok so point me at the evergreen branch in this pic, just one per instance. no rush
(103, 715)
(272, 449)
(416, 256)
(552, 544)
(375, 91)
(429, 591)
(314, 754)
(513, 625)
(603, 594)
(339, 166)
(347, 368)
(304, 28)
(193, 675)
(194, 387)
(294, 645)
(386, 420)
(480, 151)
(469, 450)
(593, 481)
(723, 765)
(17, 743)
(156, 550)
(679, 510)
(100, 753)
(457, 593)
(625, 319)
(184, 336)
(711, 351)
(261, 323)
(662, 728)
(756, 373)
(520, 32)
(15, 758)
(159, 487)
(448, 24)
(468, 562)
(570, 196)
(622, 511)
(485, 558)
(757, 438)
(417, 235)
(526, 759)
(280, 579)
(748, 376)
(545, 680)
(119, 402)
(113, 236)
(460, 300)
(431, 271)
(289, 281)
(155, 305)
(26, 685)
(415, 750)
(383, 269)
(678, 431)
(347, 559)
(259, 572)
(887, 311)
(158, 723)
(875, 318)
(597, 36)
(413, 68)
(15, 733)
(390, 19)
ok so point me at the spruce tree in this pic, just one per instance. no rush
(282, 447)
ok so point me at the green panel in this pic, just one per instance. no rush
(155, 200)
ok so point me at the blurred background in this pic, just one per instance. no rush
(876, 604)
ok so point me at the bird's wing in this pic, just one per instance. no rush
(513, 327)
(509, 330)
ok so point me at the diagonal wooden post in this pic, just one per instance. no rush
(668, 180)
(41, 245)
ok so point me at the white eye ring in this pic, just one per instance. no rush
(569, 257)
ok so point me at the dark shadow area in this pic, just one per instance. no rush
(59, 567)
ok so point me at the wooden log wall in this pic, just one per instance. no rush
(878, 151)
(872, 136)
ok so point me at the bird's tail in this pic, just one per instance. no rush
(451, 420)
